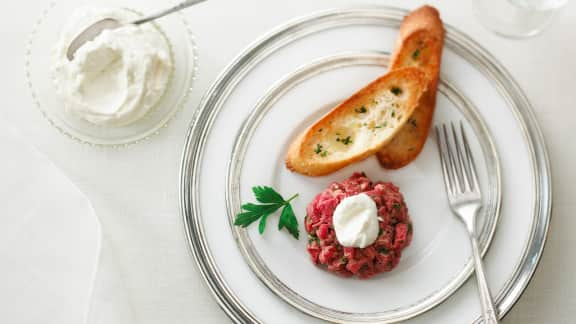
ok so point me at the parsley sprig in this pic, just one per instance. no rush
(270, 201)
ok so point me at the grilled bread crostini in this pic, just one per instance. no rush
(420, 44)
(360, 126)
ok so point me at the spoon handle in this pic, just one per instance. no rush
(178, 7)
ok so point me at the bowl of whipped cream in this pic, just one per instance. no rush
(119, 88)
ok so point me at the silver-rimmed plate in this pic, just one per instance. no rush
(238, 139)
(293, 102)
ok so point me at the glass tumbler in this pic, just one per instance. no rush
(517, 18)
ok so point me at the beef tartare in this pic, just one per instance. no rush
(395, 229)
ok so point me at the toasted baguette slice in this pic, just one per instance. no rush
(359, 126)
(420, 44)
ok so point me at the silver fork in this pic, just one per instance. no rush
(465, 201)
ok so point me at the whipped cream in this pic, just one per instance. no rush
(355, 221)
(116, 78)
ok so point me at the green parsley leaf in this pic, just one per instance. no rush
(267, 195)
(250, 216)
(271, 201)
(289, 221)
(262, 224)
(251, 207)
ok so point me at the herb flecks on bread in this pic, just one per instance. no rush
(360, 126)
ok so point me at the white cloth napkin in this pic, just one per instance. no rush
(50, 239)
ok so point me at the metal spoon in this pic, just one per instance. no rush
(109, 23)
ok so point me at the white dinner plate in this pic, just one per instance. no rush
(283, 83)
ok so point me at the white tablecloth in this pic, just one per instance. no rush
(146, 273)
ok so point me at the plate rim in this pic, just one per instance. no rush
(465, 47)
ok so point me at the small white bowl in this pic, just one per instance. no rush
(44, 37)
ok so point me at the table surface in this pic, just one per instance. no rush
(134, 190)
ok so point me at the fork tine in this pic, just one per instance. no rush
(443, 161)
(470, 160)
(452, 162)
(463, 174)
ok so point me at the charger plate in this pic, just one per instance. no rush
(280, 85)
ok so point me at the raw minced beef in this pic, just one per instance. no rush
(384, 254)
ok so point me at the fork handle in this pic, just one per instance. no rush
(489, 312)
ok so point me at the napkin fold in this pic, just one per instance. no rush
(50, 239)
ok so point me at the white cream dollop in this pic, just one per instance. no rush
(116, 78)
(356, 221)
